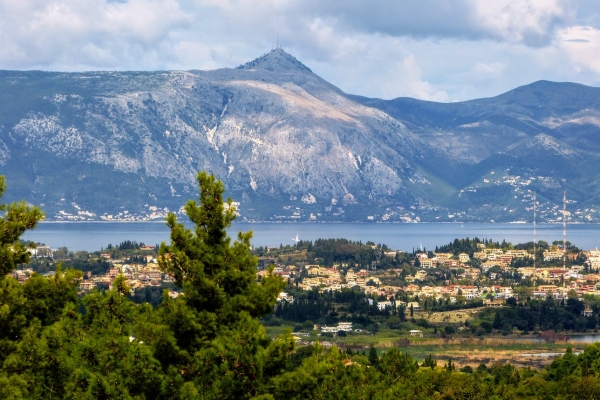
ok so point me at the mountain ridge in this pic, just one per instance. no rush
(290, 146)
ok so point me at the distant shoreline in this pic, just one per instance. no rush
(324, 222)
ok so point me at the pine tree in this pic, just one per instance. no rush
(223, 346)
(18, 218)
(373, 358)
(429, 362)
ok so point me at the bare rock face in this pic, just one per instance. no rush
(270, 128)
(278, 135)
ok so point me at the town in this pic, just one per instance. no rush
(442, 287)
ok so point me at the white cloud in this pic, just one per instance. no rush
(415, 86)
(582, 45)
(88, 34)
(531, 22)
(430, 49)
(493, 69)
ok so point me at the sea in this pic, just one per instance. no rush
(92, 236)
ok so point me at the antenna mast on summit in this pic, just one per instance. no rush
(278, 41)
(534, 205)
(564, 229)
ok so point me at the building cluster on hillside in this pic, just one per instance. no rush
(555, 281)
(546, 281)
(137, 275)
(149, 213)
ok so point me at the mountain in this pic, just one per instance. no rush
(290, 146)
(545, 137)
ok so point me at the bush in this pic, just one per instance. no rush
(308, 325)
(479, 331)
(394, 322)
(487, 326)
(272, 322)
(423, 322)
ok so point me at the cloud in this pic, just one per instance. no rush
(493, 69)
(582, 45)
(414, 84)
(531, 22)
(430, 49)
(88, 34)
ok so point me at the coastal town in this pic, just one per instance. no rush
(307, 209)
(140, 273)
(394, 282)
(494, 280)
(554, 280)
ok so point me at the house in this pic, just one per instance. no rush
(342, 326)
(382, 305)
(441, 257)
(416, 332)
(421, 275)
(553, 255)
(493, 251)
(317, 271)
(494, 303)
(526, 271)
(485, 266)
(345, 326)
(283, 296)
(464, 257)
(506, 259)
(517, 253)
(87, 285)
(547, 288)
(412, 288)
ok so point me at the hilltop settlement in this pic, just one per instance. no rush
(339, 286)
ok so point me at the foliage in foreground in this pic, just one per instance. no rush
(209, 343)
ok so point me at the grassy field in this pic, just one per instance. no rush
(449, 317)
(463, 351)
(489, 350)
(466, 351)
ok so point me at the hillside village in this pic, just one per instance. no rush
(392, 281)
(494, 279)
(143, 272)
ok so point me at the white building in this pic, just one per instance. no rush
(342, 326)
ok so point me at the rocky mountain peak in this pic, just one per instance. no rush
(276, 60)
(292, 147)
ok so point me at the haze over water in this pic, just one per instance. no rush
(95, 236)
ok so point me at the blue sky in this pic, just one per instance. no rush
(441, 50)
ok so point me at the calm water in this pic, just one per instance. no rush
(92, 236)
(589, 338)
